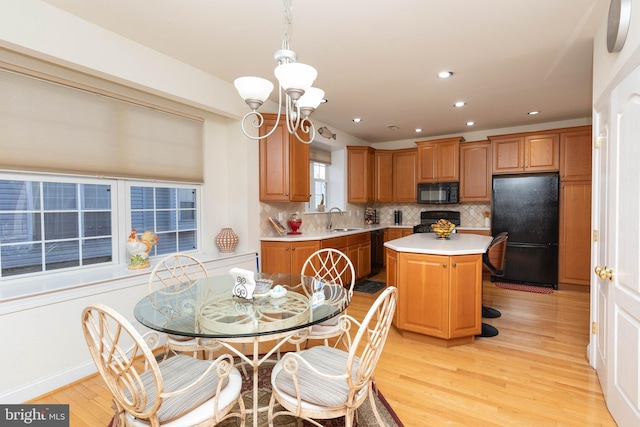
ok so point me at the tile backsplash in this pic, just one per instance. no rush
(471, 215)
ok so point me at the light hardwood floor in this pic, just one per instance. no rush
(534, 373)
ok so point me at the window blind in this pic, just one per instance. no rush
(53, 127)
(320, 156)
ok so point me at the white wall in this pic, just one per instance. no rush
(44, 347)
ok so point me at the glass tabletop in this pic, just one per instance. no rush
(206, 307)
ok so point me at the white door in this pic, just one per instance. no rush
(618, 255)
(600, 203)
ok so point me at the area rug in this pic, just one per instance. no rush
(364, 416)
(525, 288)
(369, 286)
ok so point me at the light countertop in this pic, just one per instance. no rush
(428, 243)
(326, 234)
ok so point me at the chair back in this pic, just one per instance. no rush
(117, 348)
(493, 259)
(331, 265)
(368, 343)
(176, 269)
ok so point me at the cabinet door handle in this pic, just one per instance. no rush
(444, 265)
(454, 265)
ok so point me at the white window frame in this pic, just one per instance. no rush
(49, 282)
(312, 186)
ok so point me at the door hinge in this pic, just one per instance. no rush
(594, 327)
(599, 141)
(595, 235)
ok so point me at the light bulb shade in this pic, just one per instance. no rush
(311, 99)
(295, 76)
(253, 88)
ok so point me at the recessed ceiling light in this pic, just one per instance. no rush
(418, 130)
(357, 120)
(471, 123)
(445, 74)
(459, 104)
(533, 113)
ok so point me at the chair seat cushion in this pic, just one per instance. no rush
(178, 372)
(313, 388)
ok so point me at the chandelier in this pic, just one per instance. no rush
(294, 79)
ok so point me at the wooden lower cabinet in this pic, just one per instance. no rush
(439, 296)
(574, 260)
(396, 233)
(286, 257)
(359, 252)
(289, 257)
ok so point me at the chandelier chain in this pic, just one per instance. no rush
(288, 23)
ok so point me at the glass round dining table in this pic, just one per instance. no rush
(206, 308)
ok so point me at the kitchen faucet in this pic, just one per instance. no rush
(330, 224)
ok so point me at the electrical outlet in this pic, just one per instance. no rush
(472, 211)
(280, 216)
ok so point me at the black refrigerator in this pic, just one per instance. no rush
(526, 206)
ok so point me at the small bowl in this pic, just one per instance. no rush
(278, 291)
(263, 286)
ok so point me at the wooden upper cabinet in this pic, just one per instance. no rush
(575, 155)
(404, 175)
(360, 166)
(475, 172)
(438, 160)
(284, 164)
(383, 176)
(524, 153)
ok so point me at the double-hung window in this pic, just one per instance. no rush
(53, 224)
(170, 211)
(61, 223)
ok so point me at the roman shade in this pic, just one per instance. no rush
(51, 126)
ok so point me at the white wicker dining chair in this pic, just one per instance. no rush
(335, 267)
(327, 382)
(174, 270)
(180, 390)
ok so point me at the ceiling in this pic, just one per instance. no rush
(378, 60)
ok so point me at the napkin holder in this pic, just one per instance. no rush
(244, 283)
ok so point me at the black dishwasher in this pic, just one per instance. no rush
(377, 251)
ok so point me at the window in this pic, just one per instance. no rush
(319, 186)
(58, 222)
(170, 212)
(51, 225)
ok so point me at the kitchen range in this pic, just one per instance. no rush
(431, 217)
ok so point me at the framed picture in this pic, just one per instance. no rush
(277, 225)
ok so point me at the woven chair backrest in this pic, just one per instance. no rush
(176, 269)
(331, 265)
(121, 354)
(369, 341)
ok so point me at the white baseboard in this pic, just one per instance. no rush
(47, 384)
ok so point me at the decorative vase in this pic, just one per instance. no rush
(226, 240)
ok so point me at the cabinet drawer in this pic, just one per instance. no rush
(355, 239)
(335, 242)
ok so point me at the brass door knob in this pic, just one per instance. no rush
(604, 272)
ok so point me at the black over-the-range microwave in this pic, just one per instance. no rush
(437, 193)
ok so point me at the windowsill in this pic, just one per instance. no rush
(22, 294)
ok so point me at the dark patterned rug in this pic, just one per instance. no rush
(369, 286)
(364, 417)
(525, 288)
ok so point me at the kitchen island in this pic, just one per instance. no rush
(439, 285)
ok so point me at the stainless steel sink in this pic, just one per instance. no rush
(337, 230)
